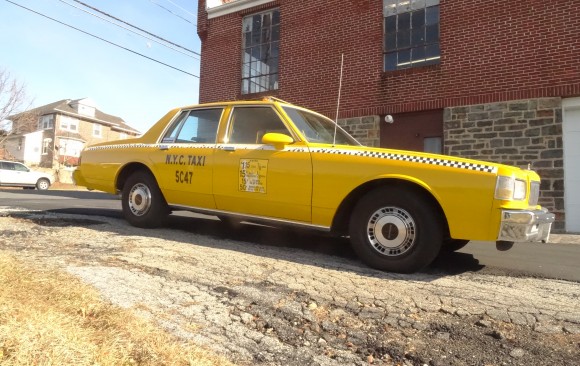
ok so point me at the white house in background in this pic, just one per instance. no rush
(24, 147)
(62, 130)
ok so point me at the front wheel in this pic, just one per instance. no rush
(43, 184)
(396, 229)
(142, 201)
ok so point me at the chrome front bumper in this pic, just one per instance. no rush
(522, 225)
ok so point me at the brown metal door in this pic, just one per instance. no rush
(417, 131)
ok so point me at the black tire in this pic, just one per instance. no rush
(43, 184)
(453, 245)
(142, 201)
(396, 229)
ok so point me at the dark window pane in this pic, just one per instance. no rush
(432, 15)
(265, 35)
(432, 50)
(256, 36)
(275, 33)
(273, 65)
(275, 49)
(403, 39)
(391, 41)
(266, 20)
(418, 37)
(404, 59)
(391, 24)
(418, 18)
(256, 53)
(273, 82)
(276, 17)
(432, 33)
(247, 39)
(418, 54)
(404, 21)
(391, 61)
(265, 52)
(257, 22)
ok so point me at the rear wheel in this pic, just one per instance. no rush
(142, 201)
(395, 229)
(43, 184)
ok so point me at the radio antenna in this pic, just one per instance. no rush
(338, 102)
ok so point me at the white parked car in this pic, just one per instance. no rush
(13, 174)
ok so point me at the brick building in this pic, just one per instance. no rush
(492, 80)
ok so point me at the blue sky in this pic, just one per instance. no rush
(56, 62)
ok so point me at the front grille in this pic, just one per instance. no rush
(534, 193)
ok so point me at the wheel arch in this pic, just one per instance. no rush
(342, 216)
(127, 171)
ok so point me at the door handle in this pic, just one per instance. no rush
(229, 148)
(163, 147)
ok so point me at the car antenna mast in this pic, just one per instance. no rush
(338, 101)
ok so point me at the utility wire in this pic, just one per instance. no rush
(133, 26)
(185, 10)
(130, 30)
(102, 39)
(170, 11)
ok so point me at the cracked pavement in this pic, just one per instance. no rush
(267, 305)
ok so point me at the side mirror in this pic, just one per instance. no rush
(278, 140)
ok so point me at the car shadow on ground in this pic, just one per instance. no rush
(295, 244)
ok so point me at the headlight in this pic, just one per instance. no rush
(520, 190)
(509, 188)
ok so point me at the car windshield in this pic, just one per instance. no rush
(319, 129)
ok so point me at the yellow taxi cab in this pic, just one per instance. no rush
(273, 162)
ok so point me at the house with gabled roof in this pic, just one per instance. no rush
(53, 135)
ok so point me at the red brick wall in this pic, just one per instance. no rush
(493, 50)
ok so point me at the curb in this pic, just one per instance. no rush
(564, 239)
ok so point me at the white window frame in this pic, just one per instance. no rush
(418, 47)
(46, 122)
(67, 122)
(46, 146)
(261, 57)
(97, 130)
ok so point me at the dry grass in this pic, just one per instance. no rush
(51, 318)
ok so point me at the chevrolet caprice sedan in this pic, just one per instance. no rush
(276, 163)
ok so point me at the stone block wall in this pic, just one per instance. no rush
(365, 129)
(518, 132)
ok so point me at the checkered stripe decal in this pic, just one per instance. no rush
(129, 146)
(411, 158)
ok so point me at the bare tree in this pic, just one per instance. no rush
(13, 105)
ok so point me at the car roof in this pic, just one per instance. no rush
(263, 101)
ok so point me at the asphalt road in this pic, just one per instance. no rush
(558, 261)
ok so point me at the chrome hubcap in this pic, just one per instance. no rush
(139, 199)
(391, 231)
